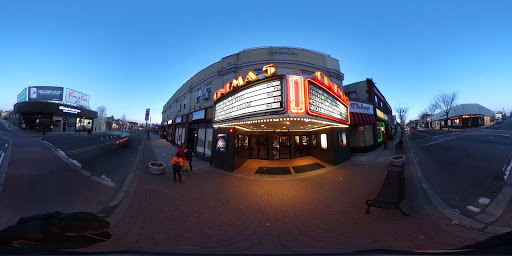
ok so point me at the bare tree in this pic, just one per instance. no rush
(445, 102)
(102, 111)
(402, 115)
(431, 110)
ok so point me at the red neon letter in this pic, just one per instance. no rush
(296, 101)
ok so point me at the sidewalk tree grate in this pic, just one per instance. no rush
(307, 167)
(273, 170)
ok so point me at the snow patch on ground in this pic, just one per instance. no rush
(71, 160)
(484, 200)
(105, 178)
(472, 208)
(507, 171)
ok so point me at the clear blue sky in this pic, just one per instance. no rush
(133, 55)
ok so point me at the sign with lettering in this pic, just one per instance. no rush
(251, 77)
(325, 104)
(69, 110)
(381, 114)
(361, 108)
(258, 98)
(45, 93)
(77, 98)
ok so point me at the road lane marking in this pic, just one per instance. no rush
(83, 149)
(440, 141)
(423, 134)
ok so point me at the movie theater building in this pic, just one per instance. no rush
(263, 103)
(53, 109)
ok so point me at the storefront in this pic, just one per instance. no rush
(272, 117)
(54, 117)
(362, 125)
(463, 116)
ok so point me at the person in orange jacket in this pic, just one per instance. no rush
(177, 164)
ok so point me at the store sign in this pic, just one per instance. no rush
(169, 122)
(147, 114)
(381, 114)
(45, 93)
(361, 108)
(200, 114)
(77, 98)
(251, 77)
(178, 119)
(324, 104)
(22, 96)
(69, 110)
(260, 98)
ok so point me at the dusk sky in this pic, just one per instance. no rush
(133, 55)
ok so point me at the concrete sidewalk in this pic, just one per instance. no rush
(220, 212)
(36, 133)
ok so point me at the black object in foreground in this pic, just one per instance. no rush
(58, 227)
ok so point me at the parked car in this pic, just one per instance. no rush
(499, 120)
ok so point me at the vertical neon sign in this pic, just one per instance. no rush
(296, 97)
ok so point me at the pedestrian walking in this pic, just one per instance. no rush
(385, 140)
(177, 165)
(188, 160)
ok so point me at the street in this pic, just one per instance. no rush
(97, 158)
(37, 180)
(466, 168)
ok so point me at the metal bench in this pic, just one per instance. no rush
(392, 191)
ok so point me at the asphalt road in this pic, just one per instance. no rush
(98, 158)
(506, 125)
(465, 168)
(3, 127)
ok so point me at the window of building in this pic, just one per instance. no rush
(181, 104)
(198, 96)
(184, 103)
(208, 88)
(376, 100)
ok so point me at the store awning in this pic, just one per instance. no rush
(361, 118)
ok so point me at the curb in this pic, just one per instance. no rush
(127, 189)
(455, 217)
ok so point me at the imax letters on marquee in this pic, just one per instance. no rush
(251, 77)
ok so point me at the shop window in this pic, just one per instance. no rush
(240, 143)
(323, 140)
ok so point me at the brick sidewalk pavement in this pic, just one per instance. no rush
(219, 212)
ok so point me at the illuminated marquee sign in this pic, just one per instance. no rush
(324, 104)
(251, 77)
(317, 96)
(381, 114)
(259, 98)
(70, 110)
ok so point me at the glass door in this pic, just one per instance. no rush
(298, 147)
(305, 145)
(263, 147)
(253, 147)
(284, 147)
(275, 147)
